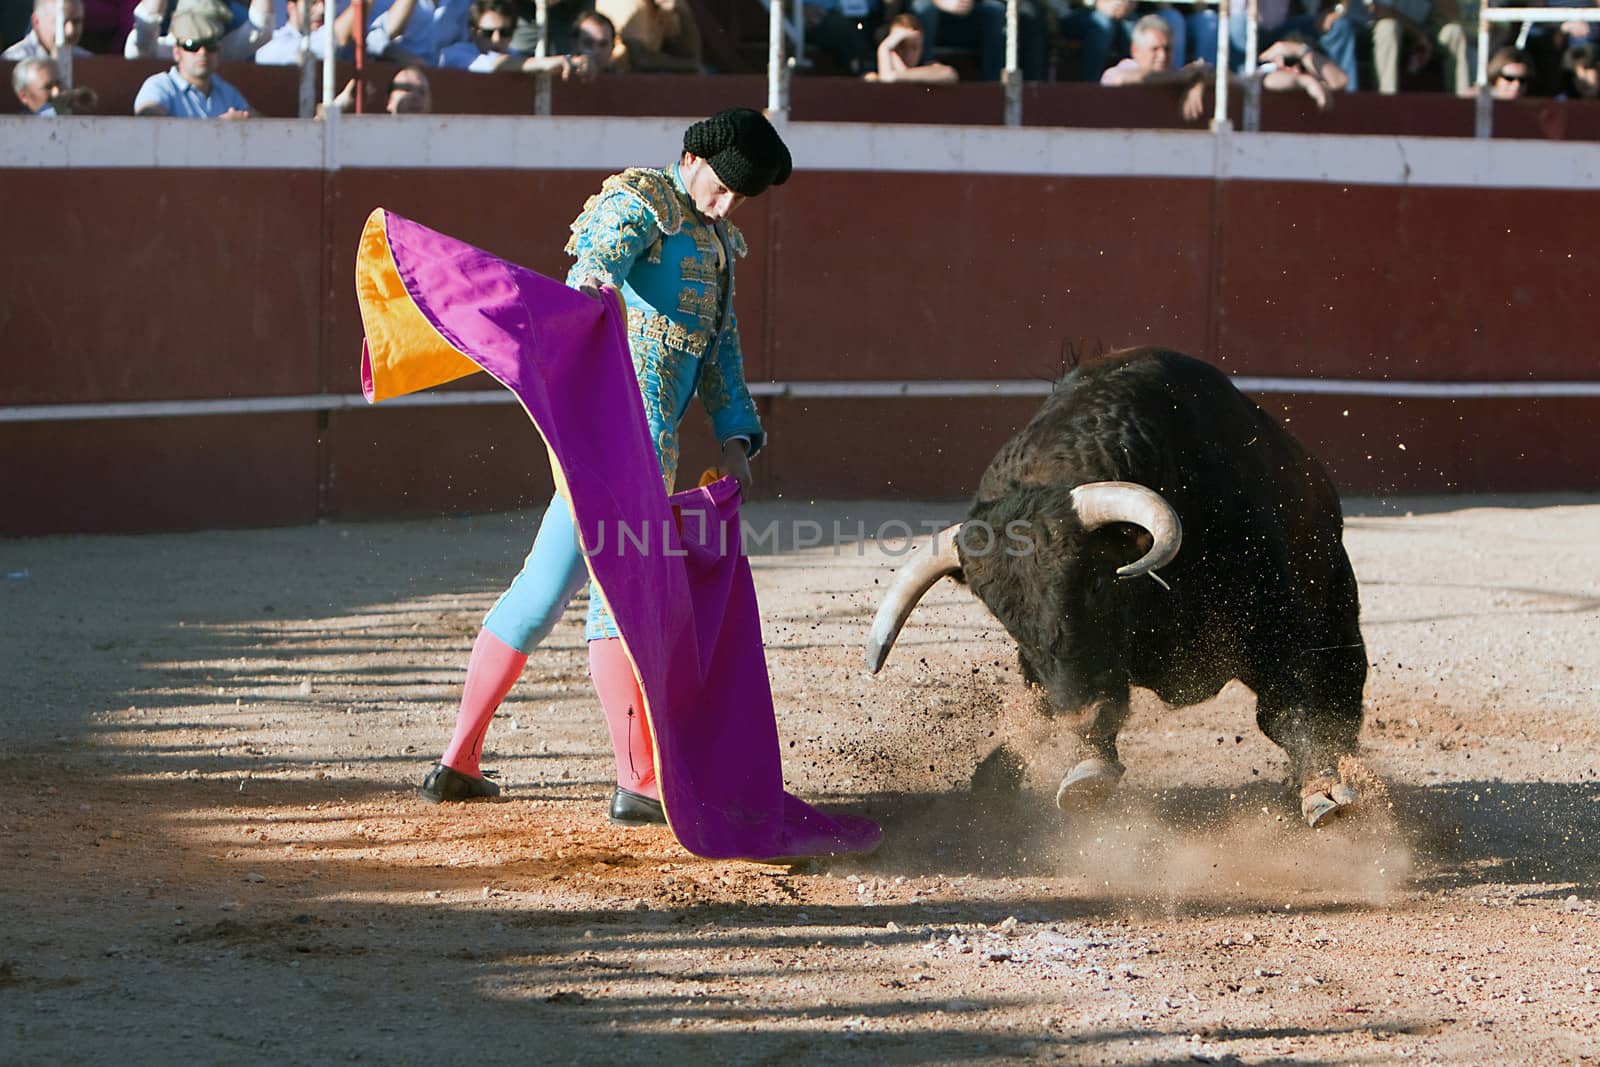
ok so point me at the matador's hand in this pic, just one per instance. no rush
(736, 461)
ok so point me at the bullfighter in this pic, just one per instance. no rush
(662, 239)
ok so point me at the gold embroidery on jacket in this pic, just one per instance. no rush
(714, 392)
(702, 305)
(657, 192)
(660, 329)
(706, 241)
(602, 235)
(696, 269)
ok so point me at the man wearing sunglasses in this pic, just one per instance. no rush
(491, 25)
(595, 37)
(192, 89)
(1510, 70)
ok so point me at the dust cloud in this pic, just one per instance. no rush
(1150, 847)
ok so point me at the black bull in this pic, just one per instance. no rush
(1151, 459)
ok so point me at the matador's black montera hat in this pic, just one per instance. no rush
(742, 148)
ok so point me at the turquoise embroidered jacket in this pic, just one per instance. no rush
(641, 234)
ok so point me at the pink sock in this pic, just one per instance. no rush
(623, 704)
(491, 672)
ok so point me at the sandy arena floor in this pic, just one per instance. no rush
(213, 853)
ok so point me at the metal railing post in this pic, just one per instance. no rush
(63, 55)
(306, 104)
(1219, 117)
(358, 22)
(1483, 106)
(1012, 76)
(777, 69)
(330, 51)
(541, 92)
(1252, 46)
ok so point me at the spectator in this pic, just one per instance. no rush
(981, 24)
(408, 93)
(244, 30)
(1428, 25)
(1292, 65)
(654, 36)
(1100, 35)
(416, 31)
(191, 89)
(1150, 63)
(1509, 72)
(594, 36)
(1547, 43)
(493, 23)
(844, 29)
(1581, 65)
(900, 53)
(40, 42)
(284, 47)
(1149, 58)
(37, 82)
(1331, 31)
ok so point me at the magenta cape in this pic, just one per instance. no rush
(435, 309)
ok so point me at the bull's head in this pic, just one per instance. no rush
(1031, 558)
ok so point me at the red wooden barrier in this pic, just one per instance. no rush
(177, 284)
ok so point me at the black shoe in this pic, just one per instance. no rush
(630, 809)
(446, 784)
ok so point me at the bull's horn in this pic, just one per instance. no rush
(1099, 503)
(910, 583)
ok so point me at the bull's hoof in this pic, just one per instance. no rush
(1325, 805)
(1329, 794)
(1088, 784)
(1317, 809)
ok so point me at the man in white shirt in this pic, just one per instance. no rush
(284, 48)
(40, 43)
